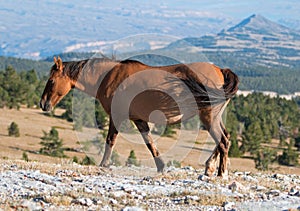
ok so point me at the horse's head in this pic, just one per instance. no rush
(58, 85)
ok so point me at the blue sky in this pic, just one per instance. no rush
(45, 27)
(239, 9)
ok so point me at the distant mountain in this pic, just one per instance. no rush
(254, 41)
(39, 29)
(264, 54)
(291, 23)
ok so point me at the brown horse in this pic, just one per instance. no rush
(133, 90)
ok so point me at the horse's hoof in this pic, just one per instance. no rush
(223, 175)
(209, 171)
(104, 165)
(159, 164)
(204, 178)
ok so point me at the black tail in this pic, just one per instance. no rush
(208, 96)
(231, 82)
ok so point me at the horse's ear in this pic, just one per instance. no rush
(58, 62)
(55, 60)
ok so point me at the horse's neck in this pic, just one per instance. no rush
(90, 78)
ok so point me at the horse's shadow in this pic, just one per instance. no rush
(4, 135)
(197, 148)
(20, 149)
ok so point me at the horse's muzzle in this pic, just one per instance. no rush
(45, 105)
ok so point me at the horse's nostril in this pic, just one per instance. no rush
(47, 107)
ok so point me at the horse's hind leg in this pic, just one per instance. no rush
(221, 149)
(110, 142)
(220, 137)
(145, 132)
(213, 123)
(224, 148)
(210, 164)
(206, 119)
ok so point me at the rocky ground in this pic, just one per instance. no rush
(41, 186)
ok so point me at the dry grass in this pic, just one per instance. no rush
(32, 122)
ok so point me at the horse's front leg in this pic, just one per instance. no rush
(110, 142)
(145, 132)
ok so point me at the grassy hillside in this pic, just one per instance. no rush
(32, 122)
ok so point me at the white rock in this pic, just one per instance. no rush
(249, 178)
(118, 194)
(260, 188)
(293, 192)
(83, 201)
(87, 190)
(228, 206)
(189, 168)
(274, 192)
(31, 205)
(236, 186)
(132, 209)
(113, 201)
(203, 177)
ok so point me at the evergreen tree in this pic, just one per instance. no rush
(52, 144)
(87, 160)
(75, 159)
(25, 156)
(289, 156)
(252, 138)
(263, 158)
(13, 130)
(132, 160)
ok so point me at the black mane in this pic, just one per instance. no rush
(72, 69)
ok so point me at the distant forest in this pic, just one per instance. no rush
(257, 78)
(253, 121)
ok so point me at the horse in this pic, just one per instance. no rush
(140, 89)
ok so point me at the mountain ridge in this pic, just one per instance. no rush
(254, 40)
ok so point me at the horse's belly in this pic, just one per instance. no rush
(158, 107)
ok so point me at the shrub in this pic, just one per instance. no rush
(174, 163)
(132, 160)
(115, 159)
(75, 159)
(88, 161)
(52, 144)
(13, 130)
(25, 157)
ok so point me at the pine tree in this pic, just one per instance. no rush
(252, 138)
(263, 158)
(52, 144)
(25, 156)
(88, 161)
(132, 160)
(13, 130)
(289, 156)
